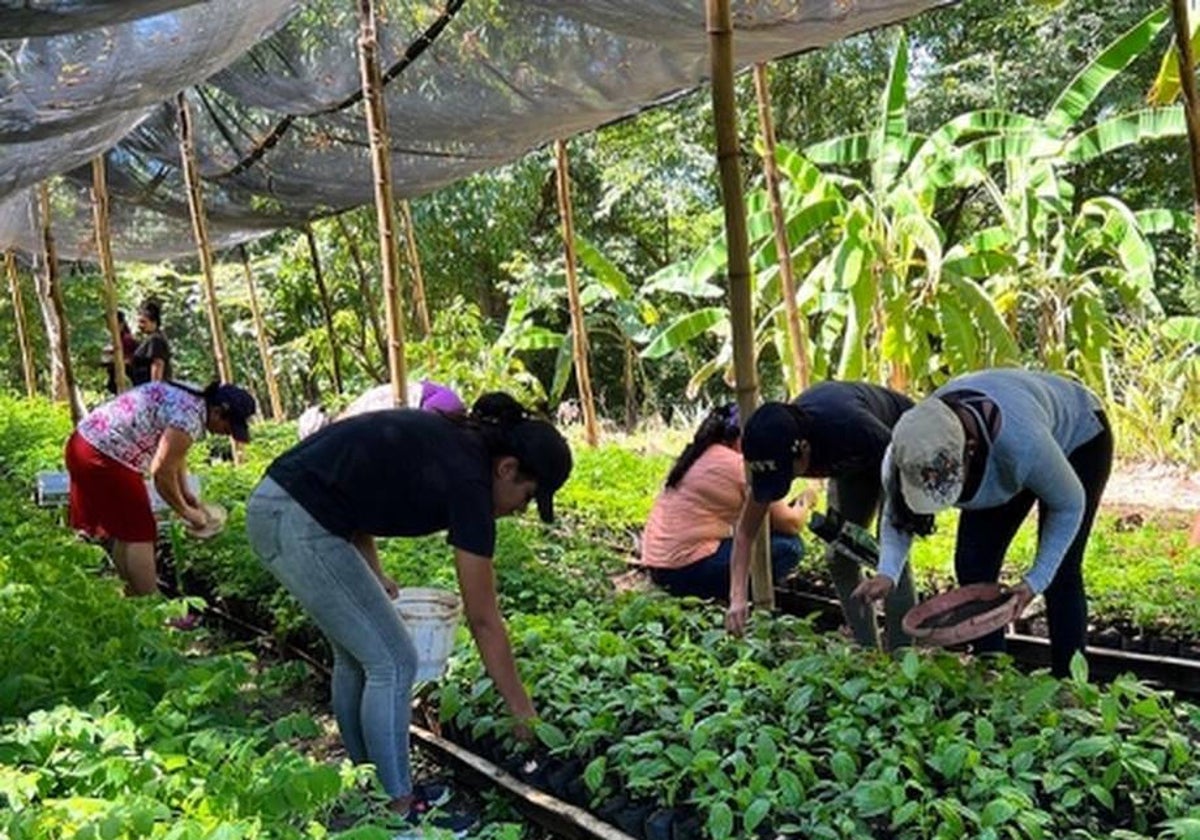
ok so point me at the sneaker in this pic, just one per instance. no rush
(427, 820)
(433, 794)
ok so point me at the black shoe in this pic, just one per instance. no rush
(423, 815)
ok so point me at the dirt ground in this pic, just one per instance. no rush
(1167, 487)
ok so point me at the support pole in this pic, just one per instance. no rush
(372, 85)
(104, 250)
(579, 343)
(14, 285)
(54, 314)
(326, 306)
(260, 335)
(720, 32)
(418, 276)
(1191, 103)
(191, 177)
(796, 332)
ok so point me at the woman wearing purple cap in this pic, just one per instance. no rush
(313, 521)
(146, 429)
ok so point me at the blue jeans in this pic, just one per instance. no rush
(374, 660)
(708, 577)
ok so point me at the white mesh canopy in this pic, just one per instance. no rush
(470, 86)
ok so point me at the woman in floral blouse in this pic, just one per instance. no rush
(148, 429)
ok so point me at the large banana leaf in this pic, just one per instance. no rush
(1162, 220)
(987, 317)
(1079, 95)
(679, 279)
(603, 269)
(939, 148)
(799, 228)
(893, 150)
(1182, 328)
(1125, 239)
(683, 329)
(1166, 87)
(1125, 130)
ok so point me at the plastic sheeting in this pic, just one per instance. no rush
(500, 79)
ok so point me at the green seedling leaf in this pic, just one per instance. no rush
(756, 813)
(593, 774)
(720, 821)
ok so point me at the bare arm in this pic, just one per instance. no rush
(158, 372)
(748, 526)
(365, 543)
(477, 582)
(168, 468)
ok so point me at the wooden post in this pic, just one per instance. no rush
(796, 332)
(364, 285)
(14, 285)
(191, 177)
(260, 335)
(326, 306)
(579, 343)
(720, 32)
(418, 277)
(381, 165)
(1191, 103)
(54, 314)
(103, 249)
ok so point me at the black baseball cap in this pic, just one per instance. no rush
(238, 407)
(770, 442)
(543, 454)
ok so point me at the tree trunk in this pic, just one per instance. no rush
(720, 32)
(418, 276)
(326, 306)
(579, 344)
(191, 177)
(14, 285)
(381, 166)
(1191, 104)
(796, 332)
(104, 250)
(260, 336)
(629, 384)
(364, 286)
(54, 315)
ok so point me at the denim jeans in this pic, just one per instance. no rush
(708, 577)
(374, 660)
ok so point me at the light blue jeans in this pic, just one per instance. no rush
(374, 660)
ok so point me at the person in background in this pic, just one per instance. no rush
(688, 538)
(313, 520)
(147, 429)
(425, 395)
(834, 430)
(992, 443)
(128, 347)
(151, 360)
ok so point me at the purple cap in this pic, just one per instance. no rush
(435, 397)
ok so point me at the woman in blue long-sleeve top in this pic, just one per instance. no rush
(991, 443)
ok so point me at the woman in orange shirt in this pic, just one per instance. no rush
(689, 536)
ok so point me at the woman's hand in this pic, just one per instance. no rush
(736, 616)
(1024, 595)
(195, 517)
(873, 588)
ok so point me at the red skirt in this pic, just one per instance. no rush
(107, 498)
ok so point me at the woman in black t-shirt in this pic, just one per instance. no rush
(151, 360)
(313, 521)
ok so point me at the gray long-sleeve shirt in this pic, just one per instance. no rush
(1043, 419)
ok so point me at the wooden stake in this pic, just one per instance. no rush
(797, 334)
(55, 315)
(364, 286)
(191, 177)
(260, 336)
(418, 277)
(381, 165)
(14, 285)
(1191, 102)
(579, 343)
(720, 32)
(104, 250)
(326, 306)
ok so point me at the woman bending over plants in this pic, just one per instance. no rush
(313, 520)
(147, 429)
(992, 443)
(834, 430)
(688, 538)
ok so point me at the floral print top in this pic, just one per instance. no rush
(128, 428)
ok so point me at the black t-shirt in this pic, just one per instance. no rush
(395, 473)
(851, 426)
(154, 346)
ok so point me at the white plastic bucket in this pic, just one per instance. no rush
(431, 617)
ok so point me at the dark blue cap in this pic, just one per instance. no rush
(770, 442)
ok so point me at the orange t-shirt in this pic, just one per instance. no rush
(688, 521)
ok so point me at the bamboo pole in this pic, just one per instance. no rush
(14, 285)
(579, 342)
(418, 276)
(372, 85)
(796, 332)
(55, 315)
(1191, 103)
(326, 306)
(260, 336)
(720, 32)
(191, 177)
(104, 250)
(364, 285)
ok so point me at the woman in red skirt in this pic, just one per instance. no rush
(148, 429)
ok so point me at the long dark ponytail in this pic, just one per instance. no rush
(720, 426)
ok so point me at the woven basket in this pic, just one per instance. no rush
(930, 622)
